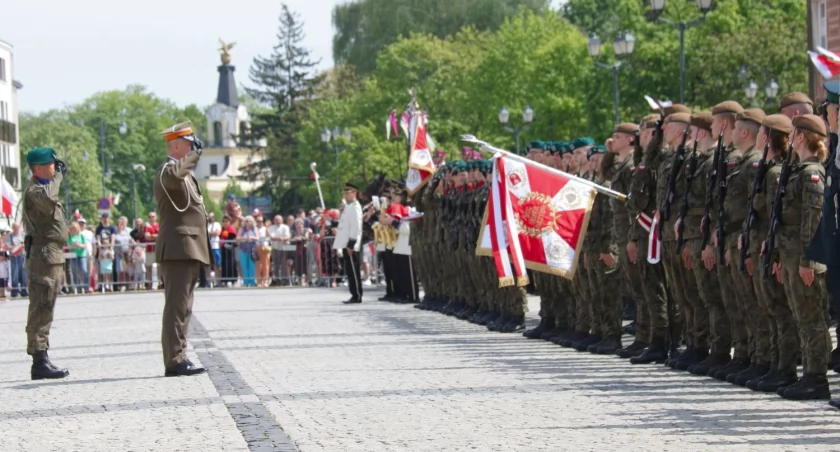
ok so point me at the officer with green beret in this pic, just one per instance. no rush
(43, 218)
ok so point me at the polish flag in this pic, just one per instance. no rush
(9, 198)
(826, 62)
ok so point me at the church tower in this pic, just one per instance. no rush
(228, 130)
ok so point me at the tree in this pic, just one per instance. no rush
(55, 129)
(285, 83)
(364, 27)
(233, 188)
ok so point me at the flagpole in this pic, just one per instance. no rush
(484, 146)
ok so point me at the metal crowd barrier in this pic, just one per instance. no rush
(234, 264)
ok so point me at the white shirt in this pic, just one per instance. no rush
(214, 240)
(278, 232)
(88, 235)
(262, 233)
(349, 227)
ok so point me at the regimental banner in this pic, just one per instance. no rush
(548, 213)
(420, 164)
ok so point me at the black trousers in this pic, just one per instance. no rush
(350, 260)
(388, 273)
(405, 281)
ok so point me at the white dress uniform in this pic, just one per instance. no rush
(349, 238)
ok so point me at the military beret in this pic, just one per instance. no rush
(684, 118)
(702, 120)
(795, 98)
(676, 108)
(778, 122)
(649, 121)
(597, 149)
(727, 106)
(41, 156)
(348, 187)
(626, 127)
(755, 115)
(811, 123)
(582, 142)
(832, 89)
(567, 148)
(537, 145)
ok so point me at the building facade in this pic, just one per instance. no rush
(9, 129)
(823, 31)
(227, 148)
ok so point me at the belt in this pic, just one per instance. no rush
(696, 212)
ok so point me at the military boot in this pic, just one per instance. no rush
(486, 318)
(609, 346)
(557, 331)
(655, 353)
(714, 360)
(629, 329)
(584, 343)
(834, 403)
(732, 368)
(773, 382)
(495, 324)
(691, 357)
(476, 318)
(546, 324)
(43, 368)
(753, 384)
(569, 339)
(750, 373)
(834, 362)
(809, 387)
(515, 324)
(634, 349)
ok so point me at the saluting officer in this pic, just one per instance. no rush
(182, 247)
(46, 234)
(348, 241)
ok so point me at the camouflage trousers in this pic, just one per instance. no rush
(756, 316)
(783, 337)
(44, 284)
(562, 301)
(701, 293)
(810, 309)
(604, 289)
(579, 285)
(631, 286)
(655, 298)
(738, 327)
(688, 311)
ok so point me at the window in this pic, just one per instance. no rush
(4, 110)
(821, 38)
(2, 70)
(217, 134)
(214, 169)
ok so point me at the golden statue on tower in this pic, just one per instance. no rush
(224, 51)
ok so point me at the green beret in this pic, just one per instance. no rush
(41, 156)
(537, 145)
(565, 148)
(832, 90)
(598, 149)
(582, 142)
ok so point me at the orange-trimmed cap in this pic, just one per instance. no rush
(182, 130)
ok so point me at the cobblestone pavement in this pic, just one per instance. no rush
(296, 370)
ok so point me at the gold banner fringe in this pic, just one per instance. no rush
(522, 281)
(506, 281)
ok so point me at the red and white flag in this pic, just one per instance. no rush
(826, 61)
(420, 164)
(9, 198)
(543, 213)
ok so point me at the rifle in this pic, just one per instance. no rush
(721, 226)
(758, 187)
(679, 158)
(776, 213)
(706, 222)
(689, 179)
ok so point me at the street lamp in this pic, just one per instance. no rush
(134, 168)
(623, 45)
(657, 6)
(527, 118)
(751, 90)
(108, 173)
(771, 90)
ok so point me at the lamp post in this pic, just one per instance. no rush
(751, 90)
(123, 129)
(527, 119)
(327, 136)
(657, 6)
(134, 168)
(771, 90)
(623, 45)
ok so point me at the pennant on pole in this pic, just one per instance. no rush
(826, 62)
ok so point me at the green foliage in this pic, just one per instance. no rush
(365, 27)
(233, 188)
(210, 204)
(55, 129)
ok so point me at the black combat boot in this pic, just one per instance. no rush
(608, 346)
(655, 353)
(43, 368)
(568, 340)
(546, 324)
(584, 343)
(755, 382)
(733, 368)
(751, 373)
(557, 331)
(496, 324)
(629, 329)
(834, 362)
(809, 387)
(714, 360)
(773, 382)
(632, 350)
(515, 324)
(690, 358)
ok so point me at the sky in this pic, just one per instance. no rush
(64, 51)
